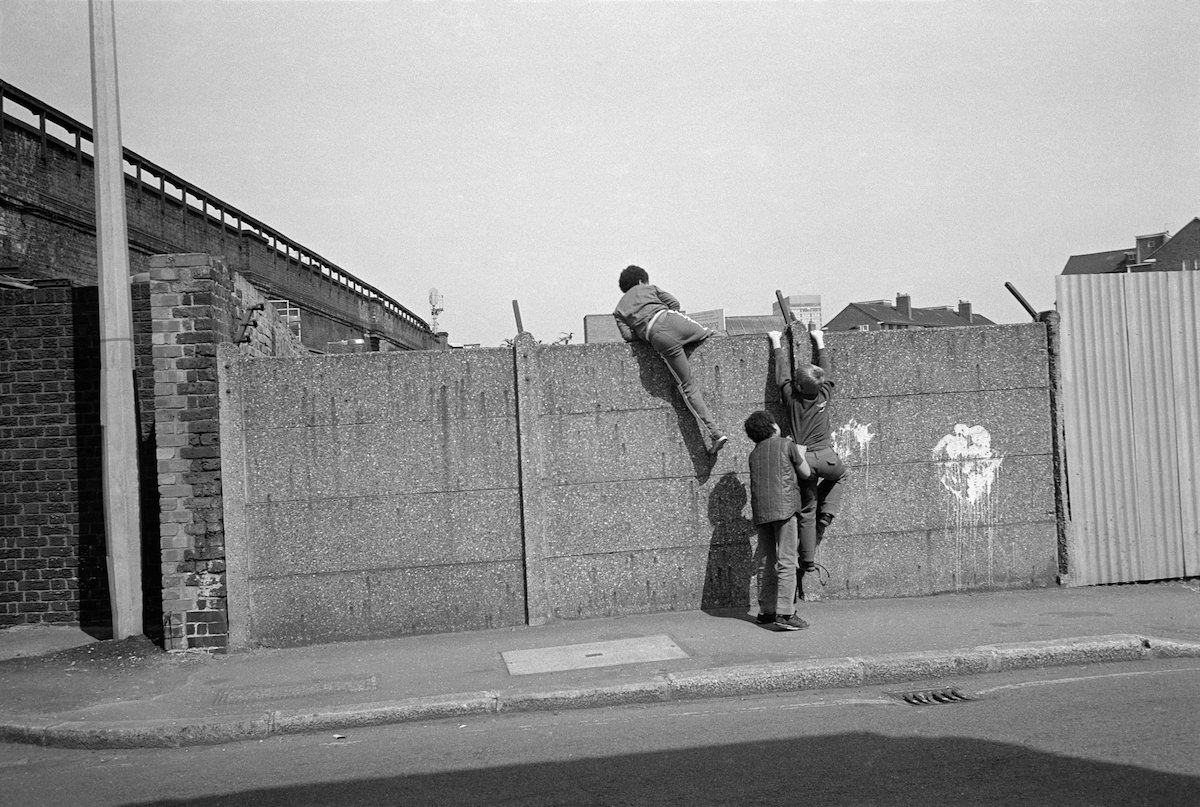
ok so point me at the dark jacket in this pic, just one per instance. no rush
(776, 466)
(808, 415)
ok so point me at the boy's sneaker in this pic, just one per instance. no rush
(764, 619)
(718, 443)
(789, 622)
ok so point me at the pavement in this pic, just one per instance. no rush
(63, 688)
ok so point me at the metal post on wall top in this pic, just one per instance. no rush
(517, 314)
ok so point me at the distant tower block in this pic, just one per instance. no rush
(435, 308)
(806, 308)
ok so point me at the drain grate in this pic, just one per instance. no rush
(932, 697)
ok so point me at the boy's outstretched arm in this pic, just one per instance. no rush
(783, 369)
(818, 340)
(626, 333)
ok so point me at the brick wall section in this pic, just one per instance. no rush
(52, 554)
(39, 494)
(197, 303)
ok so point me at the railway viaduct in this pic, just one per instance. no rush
(47, 232)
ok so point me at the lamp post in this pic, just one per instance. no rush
(122, 522)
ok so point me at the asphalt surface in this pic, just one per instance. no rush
(63, 688)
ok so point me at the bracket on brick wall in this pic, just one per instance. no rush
(249, 323)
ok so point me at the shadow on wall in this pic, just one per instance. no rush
(731, 550)
(840, 770)
(91, 575)
(657, 380)
(95, 609)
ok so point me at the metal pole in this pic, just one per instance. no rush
(1021, 300)
(517, 314)
(122, 520)
(785, 310)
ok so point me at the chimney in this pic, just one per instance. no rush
(964, 311)
(904, 305)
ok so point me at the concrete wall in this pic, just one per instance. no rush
(389, 494)
(371, 495)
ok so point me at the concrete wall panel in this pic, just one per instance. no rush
(921, 562)
(381, 459)
(358, 534)
(887, 363)
(401, 387)
(312, 609)
(651, 580)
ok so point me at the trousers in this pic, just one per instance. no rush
(820, 494)
(777, 568)
(669, 335)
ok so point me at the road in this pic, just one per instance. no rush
(1119, 734)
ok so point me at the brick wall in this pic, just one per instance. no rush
(52, 555)
(53, 564)
(197, 303)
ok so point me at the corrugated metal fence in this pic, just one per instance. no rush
(1131, 403)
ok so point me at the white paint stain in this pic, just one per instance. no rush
(969, 468)
(854, 440)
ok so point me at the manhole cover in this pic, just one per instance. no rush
(593, 654)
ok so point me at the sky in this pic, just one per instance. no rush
(528, 151)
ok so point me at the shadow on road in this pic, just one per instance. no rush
(860, 769)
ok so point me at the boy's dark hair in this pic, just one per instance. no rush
(760, 425)
(631, 276)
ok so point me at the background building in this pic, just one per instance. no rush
(883, 315)
(1157, 252)
(805, 307)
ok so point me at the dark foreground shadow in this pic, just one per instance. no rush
(860, 769)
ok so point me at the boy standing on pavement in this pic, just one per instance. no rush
(649, 314)
(776, 467)
(807, 399)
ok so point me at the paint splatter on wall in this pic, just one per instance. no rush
(853, 440)
(969, 469)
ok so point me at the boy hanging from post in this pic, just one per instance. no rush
(806, 394)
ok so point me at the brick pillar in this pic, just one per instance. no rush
(189, 300)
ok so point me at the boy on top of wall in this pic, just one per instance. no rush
(649, 314)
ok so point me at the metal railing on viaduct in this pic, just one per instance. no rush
(47, 230)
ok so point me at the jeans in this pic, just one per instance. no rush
(777, 569)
